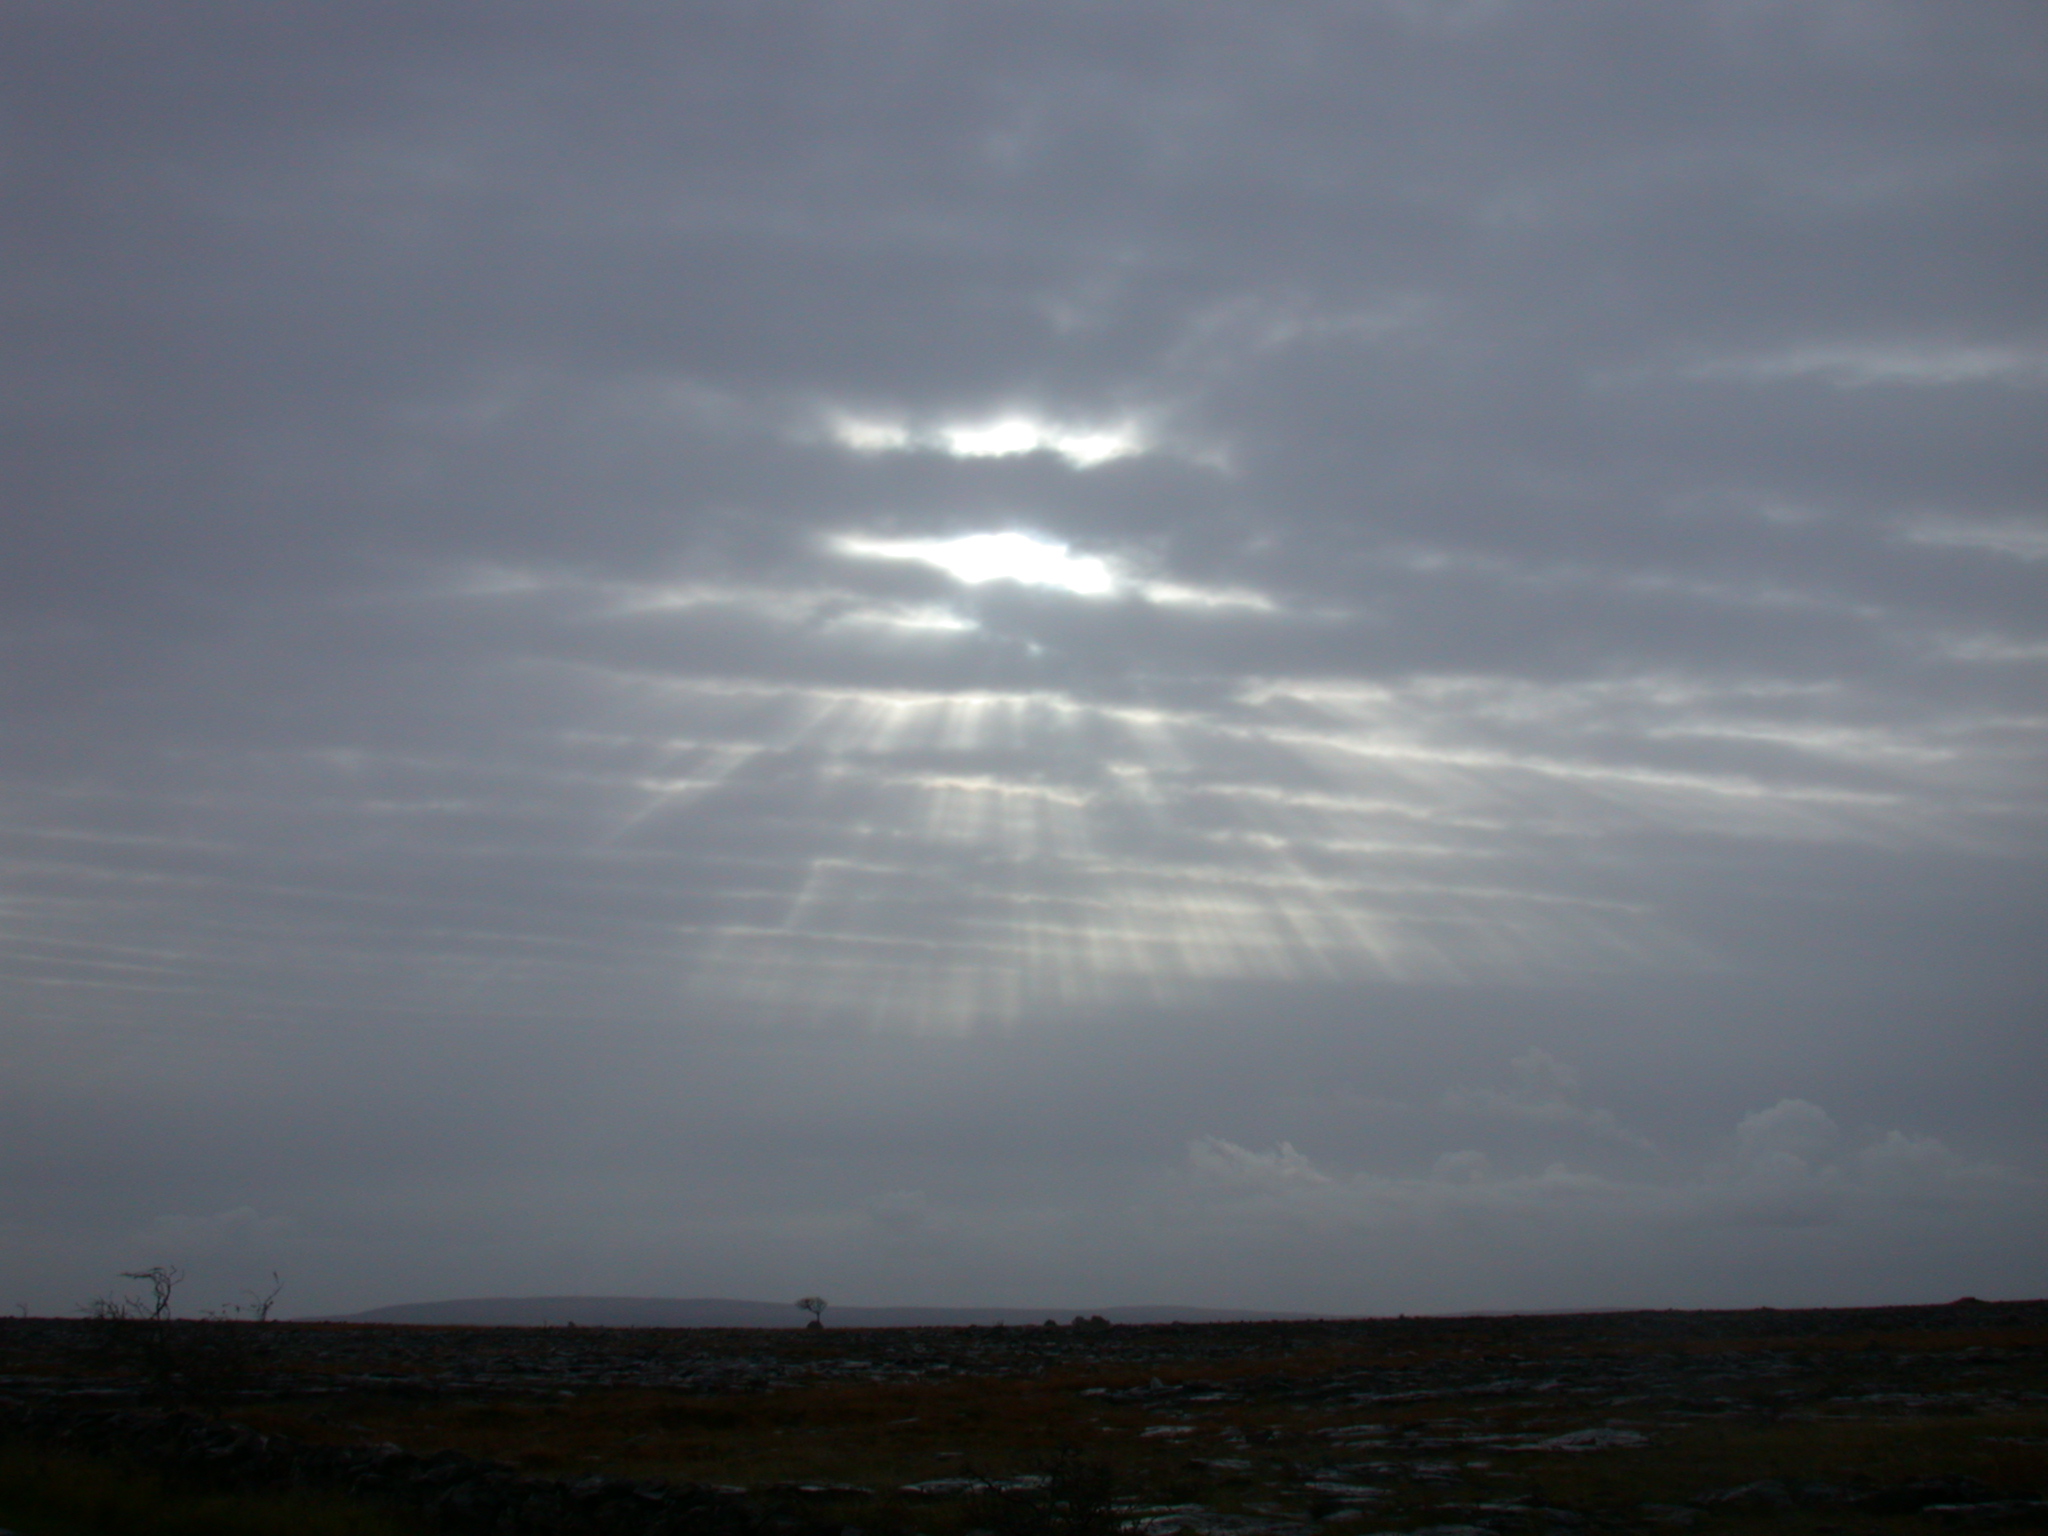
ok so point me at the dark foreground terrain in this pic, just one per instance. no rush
(1873, 1420)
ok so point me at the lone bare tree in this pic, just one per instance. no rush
(163, 1279)
(258, 1309)
(815, 1305)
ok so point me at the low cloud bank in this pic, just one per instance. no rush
(1788, 1165)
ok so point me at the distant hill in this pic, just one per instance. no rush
(720, 1312)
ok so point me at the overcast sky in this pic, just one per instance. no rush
(1345, 657)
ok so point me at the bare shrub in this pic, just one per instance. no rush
(201, 1361)
(257, 1308)
(163, 1279)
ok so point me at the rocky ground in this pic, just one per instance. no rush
(1897, 1419)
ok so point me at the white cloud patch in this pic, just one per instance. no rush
(1230, 333)
(1786, 1170)
(1545, 1092)
(1923, 1171)
(1462, 1185)
(1790, 1131)
(868, 435)
(1780, 1175)
(1280, 1170)
(1014, 435)
(977, 558)
(1034, 560)
(2014, 539)
(1863, 365)
(1990, 648)
(1173, 594)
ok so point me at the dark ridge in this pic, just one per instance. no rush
(724, 1312)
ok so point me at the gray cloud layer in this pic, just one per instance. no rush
(964, 654)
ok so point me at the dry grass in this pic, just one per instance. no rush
(1786, 1407)
(49, 1494)
(882, 1436)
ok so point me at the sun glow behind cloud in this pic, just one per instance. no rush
(1242, 644)
(956, 858)
(1031, 560)
(978, 558)
(867, 832)
(1002, 437)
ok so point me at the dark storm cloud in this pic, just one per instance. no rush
(1522, 588)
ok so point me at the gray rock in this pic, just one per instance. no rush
(1768, 1493)
(1599, 1438)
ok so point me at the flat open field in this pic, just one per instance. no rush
(1877, 1420)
